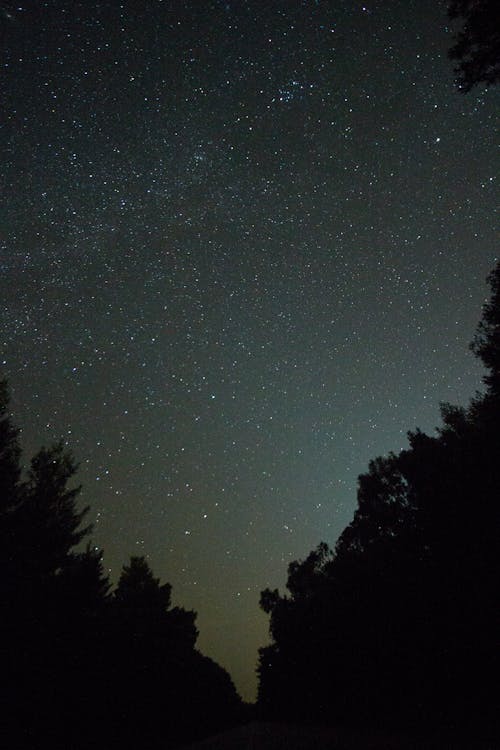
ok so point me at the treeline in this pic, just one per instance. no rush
(399, 624)
(82, 666)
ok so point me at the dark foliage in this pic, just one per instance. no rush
(486, 344)
(164, 692)
(80, 665)
(477, 43)
(9, 455)
(399, 623)
(49, 592)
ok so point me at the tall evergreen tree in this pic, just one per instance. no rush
(49, 519)
(178, 694)
(141, 599)
(50, 593)
(138, 589)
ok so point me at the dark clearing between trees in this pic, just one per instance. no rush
(396, 628)
(393, 631)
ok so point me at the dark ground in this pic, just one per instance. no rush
(271, 736)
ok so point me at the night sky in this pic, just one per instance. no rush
(243, 250)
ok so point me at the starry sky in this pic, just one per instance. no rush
(243, 249)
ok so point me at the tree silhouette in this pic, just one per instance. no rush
(50, 591)
(400, 622)
(79, 663)
(82, 584)
(477, 46)
(178, 694)
(292, 670)
(140, 599)
(139, 589)
(48, 517)
(486, 344)
(40, 525)
(10, 453)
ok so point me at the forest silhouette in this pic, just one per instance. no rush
(396, 627)
(81, 665)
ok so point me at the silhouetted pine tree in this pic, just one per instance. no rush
(178, 694)
(49, 592)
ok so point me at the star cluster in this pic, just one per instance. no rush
(243, 251)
